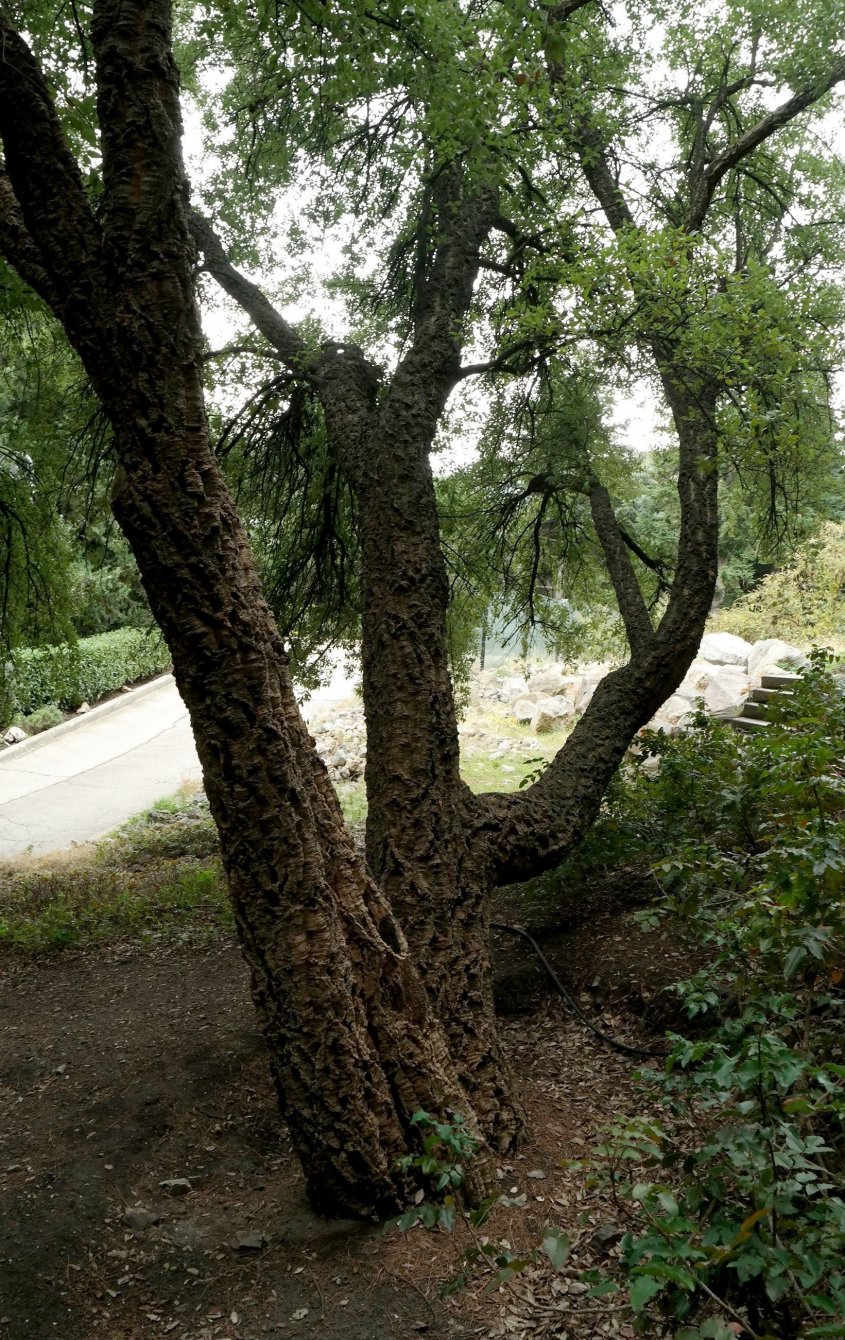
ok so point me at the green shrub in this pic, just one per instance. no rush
(736, 1187)
(43, 718)
(85, 671)
(802, 602)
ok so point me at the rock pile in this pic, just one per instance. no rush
(545, 699)
(723, 673)
(341, 743)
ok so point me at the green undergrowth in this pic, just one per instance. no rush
(726, 1180)
(482, 773)
(730, 1176)
(158, 878)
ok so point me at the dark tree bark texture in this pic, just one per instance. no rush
(355, 1047)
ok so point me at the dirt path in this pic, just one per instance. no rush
(124, 1069)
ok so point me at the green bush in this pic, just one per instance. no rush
(85, 671)
(736, 1187)
(41, 719)
(802, 602)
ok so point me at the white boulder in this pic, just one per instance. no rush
(523, 709)
(724, 649)
(513, 686)
(674, 714)
(571, 687)
(550, 714)
(545, 681)
(14, 735)
(770, 655)
(724, 688)
(696, 680)
(726, 692)
(585, 697)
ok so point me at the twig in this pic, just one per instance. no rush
(319, 1292)
(411, 1285)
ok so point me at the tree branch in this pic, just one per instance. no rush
(17, 245)
(462, 222)
(763, 130)
(502, 362)
(617, 558)
(287, 342)
(53, 208)
(567, 8)
(654, 564)
(604, 185)
(430, 369)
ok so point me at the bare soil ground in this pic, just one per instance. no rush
(123, 1068)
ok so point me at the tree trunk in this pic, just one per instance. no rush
(419, 812)
(355, 1046)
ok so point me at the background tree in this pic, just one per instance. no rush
(35, 555)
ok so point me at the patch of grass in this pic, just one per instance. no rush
(353, 801)
(482, 773)
(157, 877)
(160, 874)
(89, 903)
(176, 827)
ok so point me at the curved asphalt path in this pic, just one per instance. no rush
(77, 782)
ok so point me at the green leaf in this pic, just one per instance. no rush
(642, 1289)
(796, 956)
(556, 1246)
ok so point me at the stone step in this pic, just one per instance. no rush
(765, 695)
(755, 711)
(749, 724)
(780, 681)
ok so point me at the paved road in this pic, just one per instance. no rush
(79, 781)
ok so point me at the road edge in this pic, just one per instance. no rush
(33, 742)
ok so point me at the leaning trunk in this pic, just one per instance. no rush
(354, 1047)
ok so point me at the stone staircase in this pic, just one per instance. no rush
(755, 712)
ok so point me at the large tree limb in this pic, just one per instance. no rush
(535, 829)
(768, 125)
(464, 216)
(620, 569)
(19, 249)
(287, 341)
(54, 210)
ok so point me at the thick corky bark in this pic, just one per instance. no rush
(355, 1046)
(420, 813)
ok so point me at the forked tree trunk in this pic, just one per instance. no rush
(355, 1038)
(355, 1046)
(422, 821)
(437, 851)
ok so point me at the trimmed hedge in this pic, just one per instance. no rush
(84, 671)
